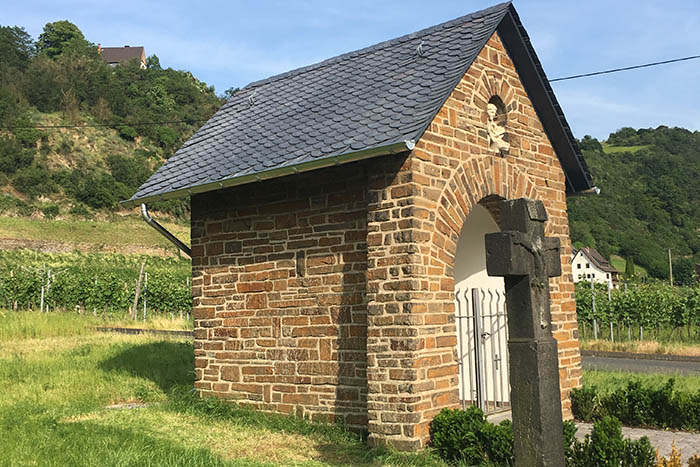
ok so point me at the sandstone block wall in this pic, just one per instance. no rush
(332, 293)
(414, 224)
(279, 278)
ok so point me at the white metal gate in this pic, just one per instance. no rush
(482, 343)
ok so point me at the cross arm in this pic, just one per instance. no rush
(514, 253)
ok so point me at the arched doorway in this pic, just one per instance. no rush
(482, 331)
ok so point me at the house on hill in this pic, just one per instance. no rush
(117, 55)
(589, 265)
(338, 221)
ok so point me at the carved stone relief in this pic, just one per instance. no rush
(495, 130)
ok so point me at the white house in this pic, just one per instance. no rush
(587, 264)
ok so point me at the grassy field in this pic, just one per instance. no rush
(619, 263)
(34, 325)
(611, 380)
(615, 149)
(652, 347)
(59, 380)
(123, 235)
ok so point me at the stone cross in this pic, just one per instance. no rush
(527, 259)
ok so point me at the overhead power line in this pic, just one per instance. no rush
(99, 125)
(564, 78)
(634, 67)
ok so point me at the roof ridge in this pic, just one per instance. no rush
(413, 35)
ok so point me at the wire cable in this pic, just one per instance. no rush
(564, 78)
(634, 67)
(99, 125)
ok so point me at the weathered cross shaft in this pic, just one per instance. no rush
(527, 259)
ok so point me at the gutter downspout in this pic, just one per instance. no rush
(163, 231)
(589, 192)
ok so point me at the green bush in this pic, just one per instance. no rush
(465, 437)
(50, 211)
(13, 156)
(34, 181)
(101, 191)
(131, 171)
(128, 133)
(166, 137)
(637, 405)
(79, 209)
(583, 402)
(605, 447)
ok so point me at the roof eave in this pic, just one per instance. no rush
(535, 82)
(394, 148)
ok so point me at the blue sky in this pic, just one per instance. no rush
(233, 43)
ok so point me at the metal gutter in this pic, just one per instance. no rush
(589, 192)
(163, 231)
(395, 148)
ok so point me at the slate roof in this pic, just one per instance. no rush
(375, 100)
(598, 260)
(121, 54)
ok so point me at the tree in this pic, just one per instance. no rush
(684, 271)
(230, 92)
(153, 62)
(588, 143)
(629, 267)
(59, 37)
(16, 47)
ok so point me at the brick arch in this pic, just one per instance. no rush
(489, 84)
(475, 181)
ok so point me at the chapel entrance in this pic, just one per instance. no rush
(481, 320)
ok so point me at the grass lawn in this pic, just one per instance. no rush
(615, 149)
(610, 380)
(619, 263)
(119, 234)
(59, 377)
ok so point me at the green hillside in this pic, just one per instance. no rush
(649, 201)
(76, 135)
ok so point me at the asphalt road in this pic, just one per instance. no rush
(640, 366)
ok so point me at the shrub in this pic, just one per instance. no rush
(128, 133)
(13, 156)
(79, 209)
(66, 146)
(131, 171)
(50, 211)
(637, 405)
(605, 447)
(583, 402)
(166, 137)
(26, 135)
(467, 438)
(34, 181)
(101, 191)
(457, 435)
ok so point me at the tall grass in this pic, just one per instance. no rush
(608, 381)
(645, 346)
(33, 324)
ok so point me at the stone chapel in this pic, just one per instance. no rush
(338, 219)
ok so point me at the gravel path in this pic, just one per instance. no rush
(687, 443)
